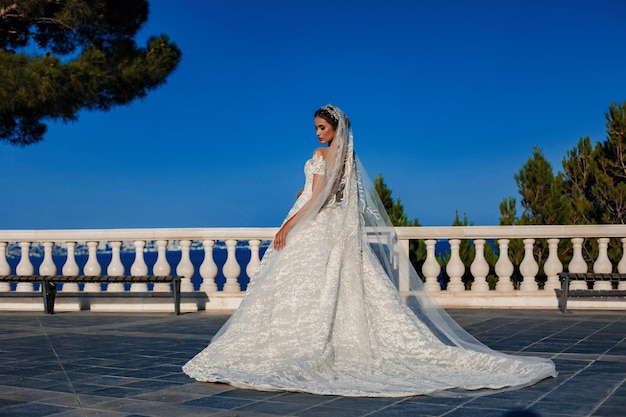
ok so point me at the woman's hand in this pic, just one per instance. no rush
(280, 240)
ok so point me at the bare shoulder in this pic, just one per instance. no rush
(321, 152)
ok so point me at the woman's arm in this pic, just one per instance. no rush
(280, 240)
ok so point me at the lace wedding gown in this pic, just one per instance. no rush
(320, 316)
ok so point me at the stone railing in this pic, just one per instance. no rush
(216, 276)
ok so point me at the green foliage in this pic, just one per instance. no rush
(394, 208)
(578, 165)
(59, 57)
(508, 212)
(597, 181)
(609, 188)
(590, 190)
(543, 199)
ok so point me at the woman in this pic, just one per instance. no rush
(323, 313)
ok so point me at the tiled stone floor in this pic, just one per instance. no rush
(101, 364)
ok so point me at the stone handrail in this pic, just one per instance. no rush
(186, 239)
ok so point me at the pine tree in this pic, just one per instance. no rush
(609, 189)
(578, 165)
(591, 190)
(543, 198)
(60, 57)
(394, 208)
(508, 212)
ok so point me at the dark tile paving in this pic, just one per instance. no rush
(123, 365)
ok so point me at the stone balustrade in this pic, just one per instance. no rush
(223, 284)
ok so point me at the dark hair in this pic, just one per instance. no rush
(325, 114)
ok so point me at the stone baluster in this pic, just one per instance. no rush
(504, 267)
(480, 267)
(602, 265)
(161, 266)
(92, 268)
(403, 267)
(255, 260)
(47, 267)
(621, 266)
(70, 268)
(185, 268)
(553, 266)
(25, 267)
(5, 268)
(208, 268)
(455, 267)
(577, 264)
(529, 267)
(139, 267)
(431, 268)
(115, 268)
(231, 268)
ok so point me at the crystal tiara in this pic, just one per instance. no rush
(334, 111)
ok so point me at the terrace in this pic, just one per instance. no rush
(124, 356)
(110, 364)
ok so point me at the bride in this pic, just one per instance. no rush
(323, 313)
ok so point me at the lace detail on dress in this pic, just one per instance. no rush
(318, 164)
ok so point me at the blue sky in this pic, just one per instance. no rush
(447, 100)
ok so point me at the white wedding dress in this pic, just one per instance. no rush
(322, 316)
